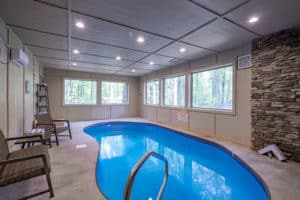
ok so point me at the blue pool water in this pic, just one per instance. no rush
(197, 169)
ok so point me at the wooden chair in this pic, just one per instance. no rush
(45, 120)
(24, 164)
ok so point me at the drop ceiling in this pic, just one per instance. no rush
(202, 27)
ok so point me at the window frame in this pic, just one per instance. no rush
(159, 93)
(112, 104)
(214, 110)
(79, 79)
(163, 91)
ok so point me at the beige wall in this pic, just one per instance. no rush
(16, 106)
(55, 79)
(235, 127)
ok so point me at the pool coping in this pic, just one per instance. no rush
(260, 180)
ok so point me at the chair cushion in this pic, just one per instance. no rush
(18, 171)
(3, 148)
(61, 129)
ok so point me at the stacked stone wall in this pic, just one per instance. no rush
(275, 97)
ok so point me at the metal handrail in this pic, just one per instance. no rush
(135, 169)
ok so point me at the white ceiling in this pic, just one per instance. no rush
(202, 27)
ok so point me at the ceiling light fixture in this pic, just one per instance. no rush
(140, 39)
(253, 20)
(151, 63)
(182, 49)
(133, 70)
(74, 64)
(76, 51)
(118, 58)
(80, 24)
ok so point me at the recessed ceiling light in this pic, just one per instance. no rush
(140, 39)
(76, 51)
(253, 19)
(118, 58)
(182, 49)
(133, 70)
(151, 63)
(74, 64)
(80, 24)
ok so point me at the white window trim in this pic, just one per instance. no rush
(159, 93)
(114, 104)
(213, 110)
(163, 91)
(78, 79)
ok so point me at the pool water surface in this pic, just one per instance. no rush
(197, 169)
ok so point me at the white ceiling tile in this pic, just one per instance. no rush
(137, 72)
(220, 35)
(101, 71)
(104, 50)
(42, 39)
(97, 66)
(168, 17)
(37, 51)
(97, 30)
(100, 60)
(64, 67)
(220, 6)
(60, 3)
(35, 15)
(274, 15)
(146, 66)
(191, 52)
(52, 61)
(160, 60)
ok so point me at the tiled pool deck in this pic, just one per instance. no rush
(73, 170)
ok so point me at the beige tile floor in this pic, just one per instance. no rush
(73, 170)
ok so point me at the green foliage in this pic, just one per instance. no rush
(213, 89)
(174, 94)
(114, 92)
(152, 92)
(80, 92)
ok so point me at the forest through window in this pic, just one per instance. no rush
(212, 89)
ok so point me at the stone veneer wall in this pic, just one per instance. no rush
(275, 98)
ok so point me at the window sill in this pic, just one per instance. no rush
(213, 111)
(152, 105)
(83, 105)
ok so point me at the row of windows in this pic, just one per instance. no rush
(211, 89)
(84, 92)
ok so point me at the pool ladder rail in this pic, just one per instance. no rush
(136, 168)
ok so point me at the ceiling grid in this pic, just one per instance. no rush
(199, 27)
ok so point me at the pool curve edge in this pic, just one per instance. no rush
(182, 132)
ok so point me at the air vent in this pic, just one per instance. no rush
(244, 61)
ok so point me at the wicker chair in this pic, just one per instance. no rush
(45, 120)
(24, 164)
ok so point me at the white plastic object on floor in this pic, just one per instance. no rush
(275, 150)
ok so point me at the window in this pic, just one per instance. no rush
(174, 91)
(152, 92)
(114, 93)
(212, 89)
(80, 92)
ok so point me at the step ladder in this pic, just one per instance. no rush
(136, 168)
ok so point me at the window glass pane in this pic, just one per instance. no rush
(213, 89)
(80, 92)
(114, 93)
(174, 93)
(152, 92)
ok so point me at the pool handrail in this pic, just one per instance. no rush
(137, 166)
